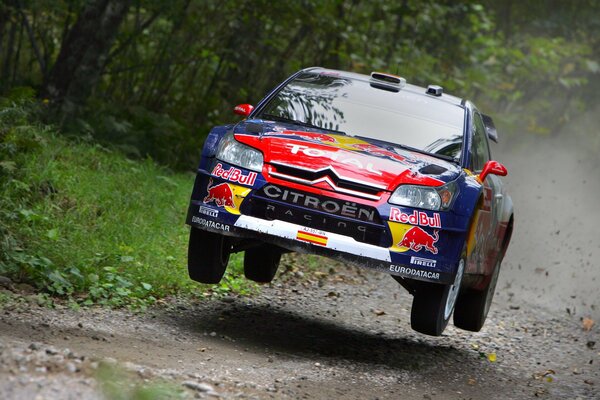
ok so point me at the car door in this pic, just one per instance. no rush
(484, 244)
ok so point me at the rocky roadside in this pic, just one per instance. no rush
(344, 334)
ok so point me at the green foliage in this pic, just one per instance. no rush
(117, 384)
(177, 67)
(4, 299)
(81, 221)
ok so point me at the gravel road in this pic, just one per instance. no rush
(346, 335)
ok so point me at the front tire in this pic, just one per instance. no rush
(433, 304)
(261, 263)
(208, 255)
(472, 306)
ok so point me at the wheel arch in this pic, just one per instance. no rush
(508, 216)
(507, 236)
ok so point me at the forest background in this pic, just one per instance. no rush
(105, 104)
(152, 77)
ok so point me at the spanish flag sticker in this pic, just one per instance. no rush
(311, 237)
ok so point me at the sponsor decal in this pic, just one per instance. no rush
(416, 218)
(417, 239)
(309, 217)
(208, 211)
(423, 262)
(332, 206)
(210, 224)
(312, 236)
(226, 195)
(321, 137)
(234, 174)
(378, 151)
(414, 272)
(221, 194)
(332, 155)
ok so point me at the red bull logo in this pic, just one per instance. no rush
(416, 239)
(221, 194)
(377, 151)
(321, 137)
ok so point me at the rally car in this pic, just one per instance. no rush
(364, 169)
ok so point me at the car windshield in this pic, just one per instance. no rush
(358, 108)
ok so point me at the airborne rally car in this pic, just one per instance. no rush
(368, 170)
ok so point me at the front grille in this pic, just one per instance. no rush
(309, 177)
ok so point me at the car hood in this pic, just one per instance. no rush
(322, 158)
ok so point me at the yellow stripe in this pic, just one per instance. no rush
(311, 238)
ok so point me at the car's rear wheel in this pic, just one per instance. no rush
(472, 306)
(261, 263)
(433, 304)
(208, 255)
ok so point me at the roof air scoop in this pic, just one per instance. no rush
(388, 78)
(435, 90)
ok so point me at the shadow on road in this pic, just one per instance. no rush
(267, 329)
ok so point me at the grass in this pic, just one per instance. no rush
(83, 222)
(119, 384)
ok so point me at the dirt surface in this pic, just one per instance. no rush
(554, 253)
(346, 335)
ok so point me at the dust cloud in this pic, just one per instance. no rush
(555, 186)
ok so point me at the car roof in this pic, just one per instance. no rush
(411, 90)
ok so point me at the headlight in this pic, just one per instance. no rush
(425, 197)
(233, 152)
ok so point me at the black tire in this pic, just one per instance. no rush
(261, 263)
(472, 306)
(208, 255)
(433, 304)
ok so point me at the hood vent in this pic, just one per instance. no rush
(433, 169)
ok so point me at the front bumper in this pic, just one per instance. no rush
(306, 240)
(227, 208)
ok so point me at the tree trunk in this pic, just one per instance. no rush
(82, 55)
(8, 56)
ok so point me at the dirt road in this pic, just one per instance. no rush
(345, 336)
(553, 257)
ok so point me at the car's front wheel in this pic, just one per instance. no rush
(261, 263)
(472, 306)
(208, 255)
(433, 304)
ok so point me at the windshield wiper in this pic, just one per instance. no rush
(279, 118)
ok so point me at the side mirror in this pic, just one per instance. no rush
(493, 168)
(490, 128)
(243, 109)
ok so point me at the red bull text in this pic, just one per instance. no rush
(234, 174)
(416, 218)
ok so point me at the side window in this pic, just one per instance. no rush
(480, 152)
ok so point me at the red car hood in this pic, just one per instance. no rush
(314, 156)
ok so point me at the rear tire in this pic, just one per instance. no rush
(433, 304)
(261, 263)
(472, 306)
(208, 255)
